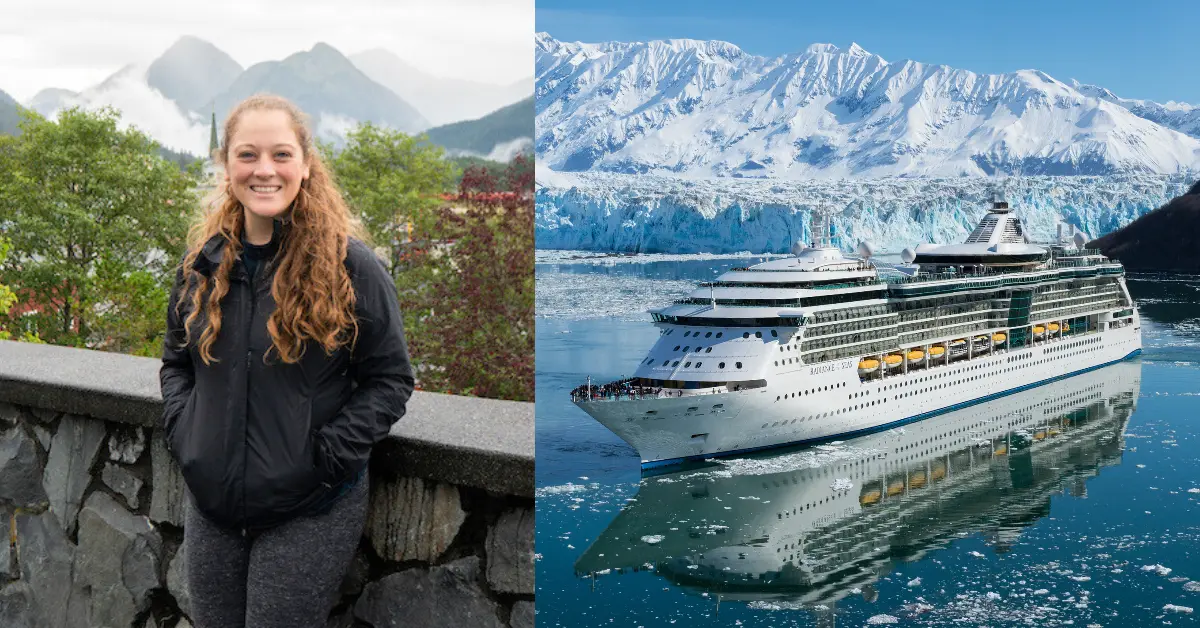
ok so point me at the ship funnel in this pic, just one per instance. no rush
(1079, 239)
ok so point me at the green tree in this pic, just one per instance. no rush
(8, 298)
(97, 221)
(393, 181)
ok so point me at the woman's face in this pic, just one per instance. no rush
(264, 166)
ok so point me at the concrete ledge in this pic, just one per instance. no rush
(482, 443)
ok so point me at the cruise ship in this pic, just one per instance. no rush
(821, 345)
(806, 529)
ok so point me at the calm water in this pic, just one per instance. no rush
(1086, 513)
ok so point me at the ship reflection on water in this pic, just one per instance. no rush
(807, 528)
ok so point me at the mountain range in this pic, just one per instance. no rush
(173, 98)
(708, 109)
(9, 116)
(442, 101)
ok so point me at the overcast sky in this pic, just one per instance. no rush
(75, 44)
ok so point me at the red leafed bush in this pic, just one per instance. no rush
(467, 290)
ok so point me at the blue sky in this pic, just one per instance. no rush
(1140, 49)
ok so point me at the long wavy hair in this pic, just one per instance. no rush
(313, 294)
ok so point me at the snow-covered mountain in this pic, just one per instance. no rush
(660, 213)
(1182, 117)
(707, 108)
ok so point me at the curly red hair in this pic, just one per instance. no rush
(313, 294)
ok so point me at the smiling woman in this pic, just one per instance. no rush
(266, 169)
(274, 445)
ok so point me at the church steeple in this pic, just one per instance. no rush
(212, 137)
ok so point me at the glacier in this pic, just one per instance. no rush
(601, 211)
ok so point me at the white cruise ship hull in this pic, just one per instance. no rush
(804, 404)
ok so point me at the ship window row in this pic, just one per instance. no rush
(824, 299)
(688, 364)
(845, 352)
(847, 314)
(1059, 295)
(1074, 301)
(1075, 284)
(931, 323)
(985, 305)
(903, 287)
(834, 341)
(850, 326)
(699, 321)
(810, 391)
(684, 350)
(697, 334)
(948, 300)
(925, 378)
(941, 332)
(1022, 365)
(828, 284)
(1086, 309)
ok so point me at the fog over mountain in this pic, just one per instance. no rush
(191, 72)
(500, 135)
(325, 84)
(441, 100)
(172, 98)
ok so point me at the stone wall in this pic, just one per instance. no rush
(92, 500)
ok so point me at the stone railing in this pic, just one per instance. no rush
(92, 500)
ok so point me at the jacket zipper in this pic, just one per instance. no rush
(246, 411)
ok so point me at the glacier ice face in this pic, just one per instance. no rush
(708, 109)
(662, 214)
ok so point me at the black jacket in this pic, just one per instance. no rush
(257, 443)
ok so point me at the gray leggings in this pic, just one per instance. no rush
(287, 576)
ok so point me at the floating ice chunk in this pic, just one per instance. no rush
(992, 595)
(977, 554)
(558, 490)
(1162, 571)
(1041, 592)
(1141, 466)
(1081, 578)
(653, 538)
(915, 582)
(603, 572)
(878, 620)
(1194, 490)
(693, 566)
(1192, 586)
(1171, 608)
